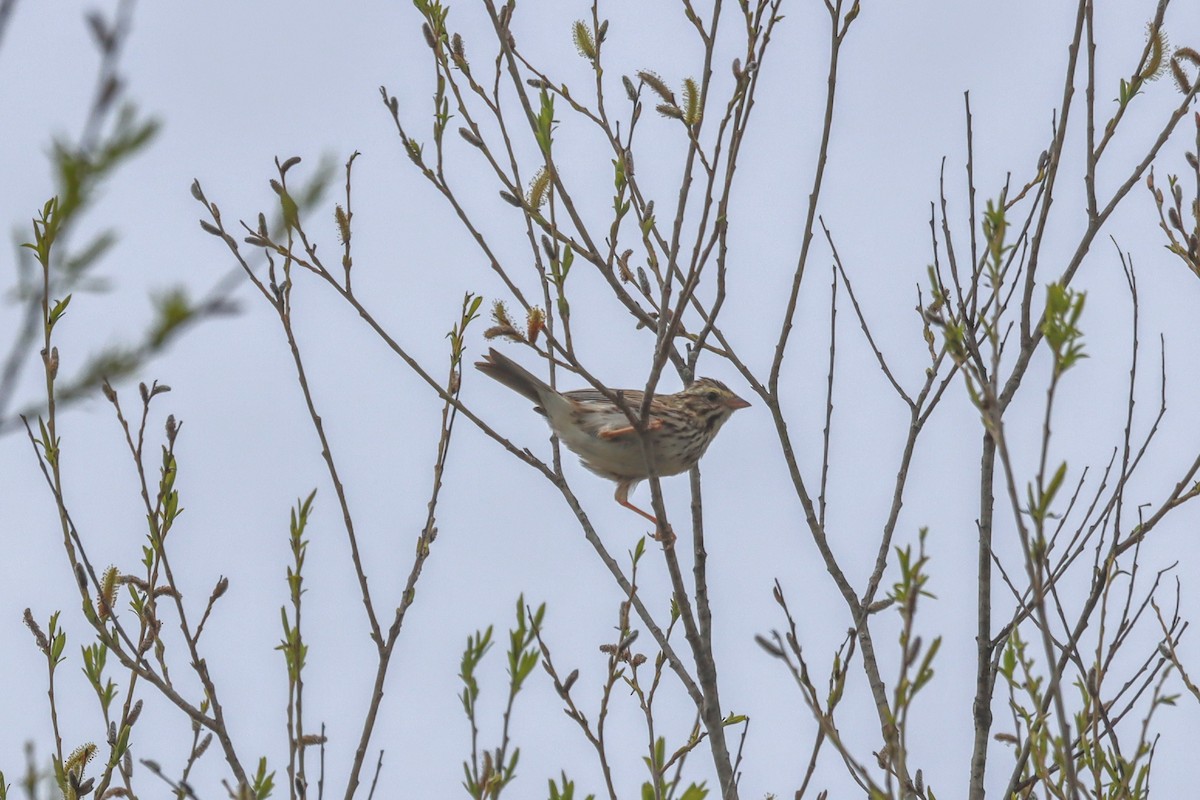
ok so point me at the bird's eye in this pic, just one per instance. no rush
(712, 397)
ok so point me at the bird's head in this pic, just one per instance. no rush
(711, 400)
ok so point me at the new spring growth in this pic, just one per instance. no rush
(469, 313)
(539, 187)
(1181, 78)
(535, 322)
(107, 596)
(1060, 326)
(659, 86)
(80, 757)
(1156, 61)
(503, 326)
(581, 33)
(692, 111)
(342, 220)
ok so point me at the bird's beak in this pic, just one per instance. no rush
(735, 402)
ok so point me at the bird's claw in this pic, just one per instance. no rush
(664, 534)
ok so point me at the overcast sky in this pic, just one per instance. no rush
(237, 84)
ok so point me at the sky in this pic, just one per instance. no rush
(236, 85)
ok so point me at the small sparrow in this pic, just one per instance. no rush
(679, 429)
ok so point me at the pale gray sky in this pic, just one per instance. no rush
(237, 84)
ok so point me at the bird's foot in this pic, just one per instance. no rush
(664, 535)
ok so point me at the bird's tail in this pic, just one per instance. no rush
(503, 369)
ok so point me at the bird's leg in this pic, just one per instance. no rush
(613, 433)
(662, 532)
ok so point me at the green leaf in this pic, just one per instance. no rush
(545, 122)
(59, 309)
(264, 782)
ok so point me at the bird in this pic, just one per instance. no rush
(679, 427)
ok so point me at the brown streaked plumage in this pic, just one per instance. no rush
(680, 428)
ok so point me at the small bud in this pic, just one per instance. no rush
(110, 394)
(630, 91)
(204, 743)
(510, 199)
(429, 38)
(172, 428)
(457, 48)
(220, 588)
(470, 137)
(197, 192)
(52, 363)
(81, 577)
(134, 713)
(570, 681)
(286, 165)
(737, 70)
(771, 648)
(880, 605)
(643, 282)
(42, 642)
